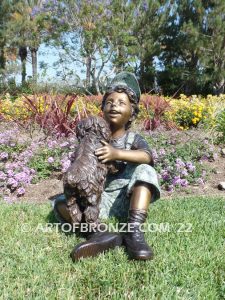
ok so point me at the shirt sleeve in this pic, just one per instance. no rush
(141, 144)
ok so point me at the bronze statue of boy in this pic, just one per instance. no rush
(128, 192)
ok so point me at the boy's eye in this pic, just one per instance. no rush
(122, 102)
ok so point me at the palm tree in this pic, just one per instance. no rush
(25, 31)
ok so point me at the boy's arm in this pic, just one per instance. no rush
(109, 153)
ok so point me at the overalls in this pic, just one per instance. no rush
(115, 198)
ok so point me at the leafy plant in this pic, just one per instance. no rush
(156, 107)
(178, 158)
(220, 125)
(53, 113)
(43, 166)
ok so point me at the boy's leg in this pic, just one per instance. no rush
(141, 196)
(97, 242)
(134, 240)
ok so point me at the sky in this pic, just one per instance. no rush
(47, 56)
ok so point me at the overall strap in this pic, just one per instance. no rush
(129, 140)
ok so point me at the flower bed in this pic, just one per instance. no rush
(178, 154)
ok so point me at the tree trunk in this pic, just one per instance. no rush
(219, 87)
(120, 59)
(96, 85)
(23, 58)
(34, 63)
(2, 57)
(88, 72)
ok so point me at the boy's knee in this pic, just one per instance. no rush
(143, 168)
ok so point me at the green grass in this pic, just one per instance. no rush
(187, 265)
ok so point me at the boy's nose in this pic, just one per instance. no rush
(114, 104)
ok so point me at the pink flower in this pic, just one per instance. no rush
(190, 167)
(4, 155)
(51, 160)
(52, 144)
(20, 191)
(64, 144)
(200, 181)
(65, 164)
(2, 175)
(12, 182)
(176, 181)
(170, 188)
(184, 182)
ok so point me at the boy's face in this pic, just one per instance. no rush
(118, 109)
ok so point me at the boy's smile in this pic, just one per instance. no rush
(117, 110)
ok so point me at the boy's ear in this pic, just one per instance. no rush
(132, 114)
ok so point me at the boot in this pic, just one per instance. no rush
(97, 242)
(134, 241)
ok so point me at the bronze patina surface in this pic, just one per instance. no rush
(85, 178)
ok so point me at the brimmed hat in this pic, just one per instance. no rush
(128, 81)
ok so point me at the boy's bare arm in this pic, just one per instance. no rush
(109, 153)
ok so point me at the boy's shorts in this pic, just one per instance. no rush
(115, 199)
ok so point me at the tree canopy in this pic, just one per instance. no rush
(172, 46)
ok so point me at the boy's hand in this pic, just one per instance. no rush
(106, 153)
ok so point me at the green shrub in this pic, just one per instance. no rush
(220, 125)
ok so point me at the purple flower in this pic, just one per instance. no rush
(162, 152)
(145, 6)
(215, 156)
(20, 191)
(52, 144)
(72, 139)
(204, 173)
(184, 182)
(170, 188)
(190, 167)
(10, 173)
(4, 155)
(136, 13)
(35, 11)
(204, 157)
(51, 160)
(12, 182)
(184, 173)
(200, 181)
(179, 164)
(23, 177)
(154, 154)
(165, 175)
(65, 164)
(32, 171)
(63, 145)
(176, 181)
(2, 176)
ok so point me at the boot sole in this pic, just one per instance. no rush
(142, 257)
(139, 256)
(93, 249)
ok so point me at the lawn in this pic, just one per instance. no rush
(189, 259)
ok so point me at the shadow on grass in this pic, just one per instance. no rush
(65, 227)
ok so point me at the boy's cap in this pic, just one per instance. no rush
(128, 80)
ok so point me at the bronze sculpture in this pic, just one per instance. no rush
(85, 178)
(127, 193)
